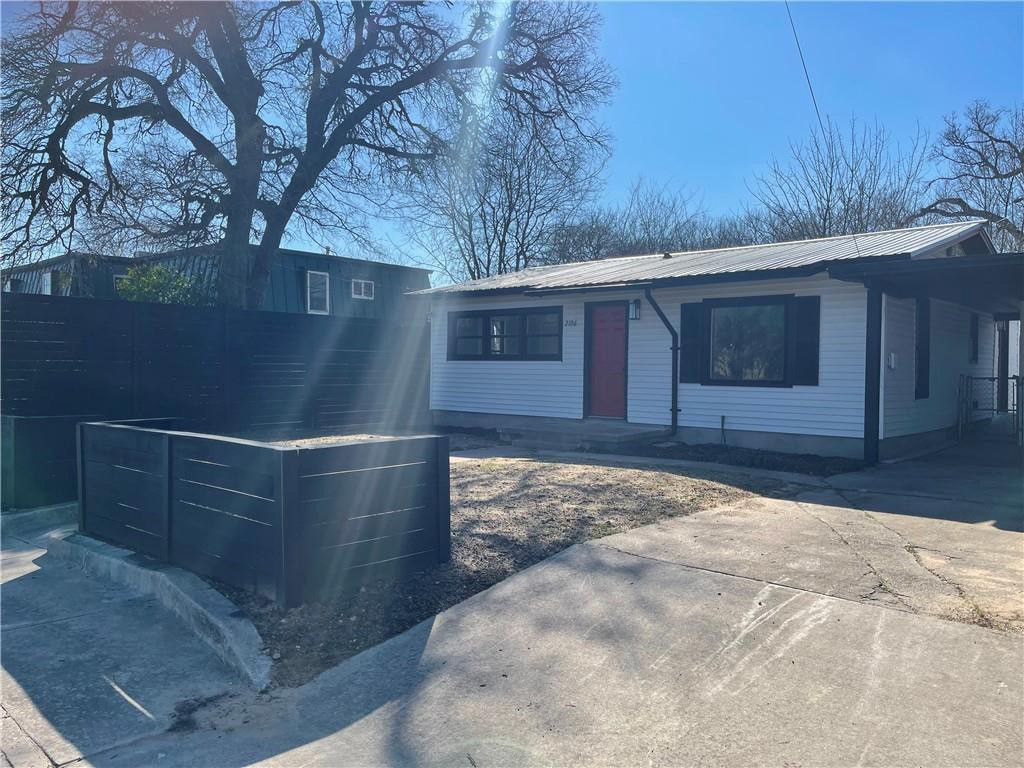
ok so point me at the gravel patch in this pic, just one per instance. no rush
(507, 514)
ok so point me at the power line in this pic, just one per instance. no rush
(814, 101)
(807, 75)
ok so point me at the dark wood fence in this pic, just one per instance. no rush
(295, 524)
(228, 371)
(37, 457)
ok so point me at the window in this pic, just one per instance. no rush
(47, 283)
(362, 289)
(506, 334)
(922, 350)
(118, 279)
(748, 343)
(318, 293)
(766, 341)
(974, 338)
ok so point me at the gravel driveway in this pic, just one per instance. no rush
(507, 514)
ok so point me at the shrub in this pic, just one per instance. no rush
(162, 285)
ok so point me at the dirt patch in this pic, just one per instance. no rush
(507, 514)
(321, 440)
(458, 441)
(805, 463)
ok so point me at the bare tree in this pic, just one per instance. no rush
(192, 123)
(981, 162)
(840, 182)
(653, 219)
(490, 206)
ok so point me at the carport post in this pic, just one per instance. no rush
(872, 372)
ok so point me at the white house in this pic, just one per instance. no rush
(850, 346)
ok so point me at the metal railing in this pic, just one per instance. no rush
(980, 395)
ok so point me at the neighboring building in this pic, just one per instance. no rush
(300, 281)
(850, 346)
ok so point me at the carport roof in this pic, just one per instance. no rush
(799, 257)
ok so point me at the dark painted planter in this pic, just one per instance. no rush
(294, 524)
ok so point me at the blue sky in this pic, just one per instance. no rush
(710, 91)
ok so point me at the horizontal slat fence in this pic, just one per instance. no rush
(228, 371)
(294, 524)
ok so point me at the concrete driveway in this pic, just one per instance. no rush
(777, 632)
(87, 665)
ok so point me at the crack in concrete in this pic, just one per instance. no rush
(976, 613)
(883, 585)
(8, 716)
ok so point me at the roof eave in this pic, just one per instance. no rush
(662, 282)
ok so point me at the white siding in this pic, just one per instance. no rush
(517, 387)
(834, 408)
(950, 357)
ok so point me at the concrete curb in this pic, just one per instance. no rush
(211, 616)
(17, 523)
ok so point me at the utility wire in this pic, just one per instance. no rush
(814, 101)
(807, 75)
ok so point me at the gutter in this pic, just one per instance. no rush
(675, 357)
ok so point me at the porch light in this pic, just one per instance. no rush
(634, 309)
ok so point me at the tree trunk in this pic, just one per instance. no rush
(259, 274)
(233, 270)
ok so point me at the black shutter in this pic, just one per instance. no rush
(806, 329)
(691, 336)
(923, 350)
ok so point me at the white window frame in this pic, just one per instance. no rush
(327, 292)
(46, 287)
(362, 289)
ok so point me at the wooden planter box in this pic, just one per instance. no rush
(38, 461)
(295, 524)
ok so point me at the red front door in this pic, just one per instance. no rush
(607, 356)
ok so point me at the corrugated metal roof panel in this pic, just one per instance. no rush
(724, 261)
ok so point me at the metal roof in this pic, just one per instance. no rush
(727, 263)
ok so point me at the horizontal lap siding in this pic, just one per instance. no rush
(833, 408)
(950, 358)
(515, 387)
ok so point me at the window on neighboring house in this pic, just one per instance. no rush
(506, 334)
(318, 293)
(767, 341)
(922, 350)
(974, 337)
(14, 285)
(118, 279)
(46, 286)
(362, 289)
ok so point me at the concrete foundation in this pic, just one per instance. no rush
(911, 445)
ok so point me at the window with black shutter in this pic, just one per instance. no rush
(922, 350)
(691, 337)
(806, 314)
(766, 341)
